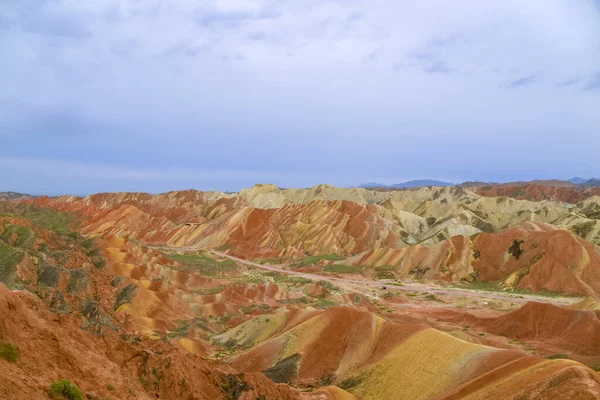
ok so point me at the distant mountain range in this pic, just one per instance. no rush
(578, 181)
(593, 182)
(409, 184)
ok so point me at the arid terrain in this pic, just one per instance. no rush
(473, 291)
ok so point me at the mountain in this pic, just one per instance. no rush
(14, 196)
(593, 182)
(409, 184)
(303, 294)
(421, 183)
(370, 185)
(371, 229)
(577, 180)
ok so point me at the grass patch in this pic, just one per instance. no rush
(328, 285)
(274, 260)
(9, 259)
(65, 390)
(289, 279)
(204, 264)
(212, 290)
(125, 296)
(315, 259)
(385, 272)
(9, 352)
(431, 297)
(558, 356)
(23, 236)
(343, 269)
(61, 222)
(325, 303)
(351, 383)
(496, 286)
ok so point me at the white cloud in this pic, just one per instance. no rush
(317, 80)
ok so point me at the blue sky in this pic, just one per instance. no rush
(113, 95)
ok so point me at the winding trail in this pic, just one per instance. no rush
(410, 287)
(356, 285)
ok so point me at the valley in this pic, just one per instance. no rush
(319, 293)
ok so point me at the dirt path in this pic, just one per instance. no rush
(365, 285)
(410, 287)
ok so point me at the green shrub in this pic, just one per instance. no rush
(65, 390)
(516, 249)
(9, 352)
(343, 269)
(314, 259)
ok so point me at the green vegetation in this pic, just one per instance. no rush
(476, 254)
(418, 271)
(143, 381)
(110, 387)
(325, 304)
(204, 264)
(18, 236)
(233, 386)
(385, 272)
(352, 382)
(558, 356)
(285, 370)
(431, 297)
(343, 269)
(9, 258)
(328, 285)
(49, 275)
(584, 229)
(117, 281)
(496, 286)
(46, 218)
(225, 247)
(314, 259)
(289, 279)
(65, 390)
(9, 352)
(516, 249)
(125, 296)
(212, 290)
(274, 260)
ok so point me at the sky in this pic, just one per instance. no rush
(159, 95)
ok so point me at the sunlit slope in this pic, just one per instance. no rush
(376, 359)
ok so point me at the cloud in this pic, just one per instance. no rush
(292, 89)
(233, 18)
(523, 81)
(438, 67)
(257, 35)
(570, 81)
(49, 19)
(593, 83)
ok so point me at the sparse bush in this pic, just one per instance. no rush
(328, 285)
(516, 249)
(65, 390)
(343, 269)
(314, 259)
(99, 262)
(9, 352)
